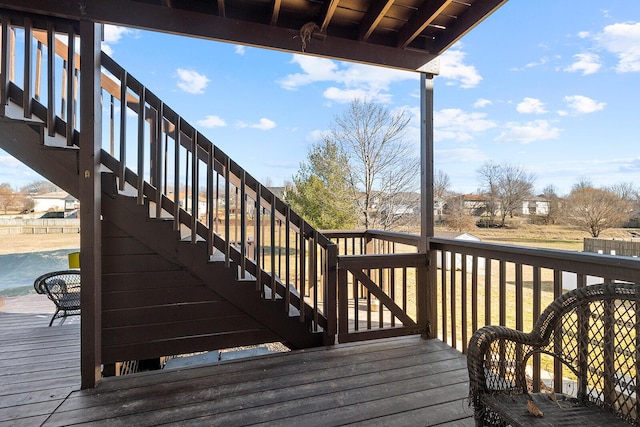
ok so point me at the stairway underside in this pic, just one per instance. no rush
(161, 296)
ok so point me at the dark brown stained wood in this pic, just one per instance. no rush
(136, 263)
(404, 381)
(148, 280)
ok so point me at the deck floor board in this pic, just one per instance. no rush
(396, 381)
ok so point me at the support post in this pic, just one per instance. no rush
(427, 277)
(90, 203)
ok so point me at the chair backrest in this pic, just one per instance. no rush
(62, 287)
(595, 332)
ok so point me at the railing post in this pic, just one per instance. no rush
(90, 198)
(331, 310)
(426, 277)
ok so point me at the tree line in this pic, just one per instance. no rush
(506, 187)
(364, 173)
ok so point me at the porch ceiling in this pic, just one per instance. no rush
(404, 34)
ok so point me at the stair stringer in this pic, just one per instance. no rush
(159, 235)
(24, 140)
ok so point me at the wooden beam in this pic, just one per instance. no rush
(90, 203)
(373, 17)
(328, 9)
(184, 22)
(427, 13)
(477, 13)
(276, 11)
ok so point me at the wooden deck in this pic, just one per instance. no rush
(400, 381)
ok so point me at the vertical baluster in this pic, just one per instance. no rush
(380, 305)
(210, 195)
(502, 293)
(123, 131)
(70, 84)
(112, 124)
(303, 268)
(12, 55)
(537, 308)
(287, 261)
(273, 246)
(235, 222)
(452, 300)
(176, 174)
(141, 144)
(63, 91)
(243, 223)
(487, 291)
(195, 187)
(51, 79)
(314, 275)
(4, 65)
(519, 301)
(227, 215)
(28, 70)
(474, 293)
(217, 209)
(557, 335)
(258, 240)
(443, 292)
(158, 161)
(463, 302)
(38, 82)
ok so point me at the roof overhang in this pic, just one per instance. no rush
(402, 34)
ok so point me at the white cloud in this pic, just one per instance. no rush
(481, 103)
(623, 40)
(211, 122)
(533, 64)
(318, 135)
(112, 35)
(351, 81)
(587, 63)
(239, 49)
(191, 81)
(263, 124)
(583, 105)
(531, 106)
(537, 130)
(458, 125)
(453, 68)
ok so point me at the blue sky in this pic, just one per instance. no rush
(550, 85)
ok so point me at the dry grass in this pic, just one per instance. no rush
(23, 243)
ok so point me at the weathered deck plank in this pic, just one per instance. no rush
(398, 381)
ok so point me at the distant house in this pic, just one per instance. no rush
(536, 205)
(58, 201)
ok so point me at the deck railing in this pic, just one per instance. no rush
(490, 284)
(166, 163)
(377, 284)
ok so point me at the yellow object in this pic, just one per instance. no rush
(74, 260)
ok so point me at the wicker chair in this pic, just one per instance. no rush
(594, 332)
(63, 288)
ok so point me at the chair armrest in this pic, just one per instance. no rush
(504, 371)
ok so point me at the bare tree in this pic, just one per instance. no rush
(8, 197)
(551, 196)
(441, 184)
(595, 210)
(383, 165)
(506, 187)
(458, 218)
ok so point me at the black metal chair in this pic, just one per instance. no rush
(63, 288)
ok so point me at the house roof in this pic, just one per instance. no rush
(405, 34)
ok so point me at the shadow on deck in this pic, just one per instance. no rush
(399, 381)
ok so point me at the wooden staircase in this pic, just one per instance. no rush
(172, 284)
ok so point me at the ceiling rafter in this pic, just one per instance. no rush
(277, 4)
(424, 16)
(372, 18)
(328, 10)
(477, 13)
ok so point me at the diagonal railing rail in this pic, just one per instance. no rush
(164, 162)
